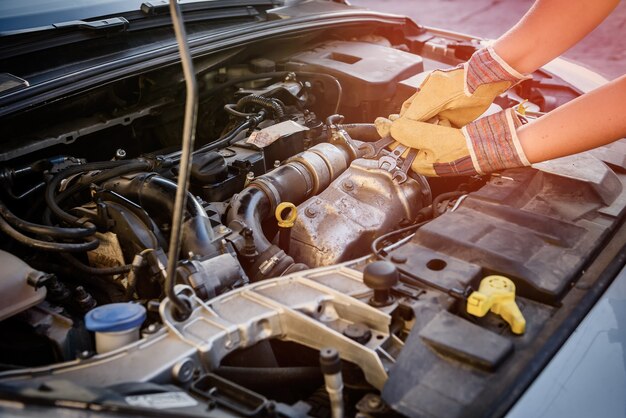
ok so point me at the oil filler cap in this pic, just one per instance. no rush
(115, 317)
(209, 168)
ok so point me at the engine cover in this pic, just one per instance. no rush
(363, 203)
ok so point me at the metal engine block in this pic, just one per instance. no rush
(362, 204)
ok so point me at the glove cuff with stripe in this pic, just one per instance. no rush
(486, 66)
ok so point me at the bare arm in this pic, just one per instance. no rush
(548, 29)
(591, 120)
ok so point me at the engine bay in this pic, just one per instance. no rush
(298, 235)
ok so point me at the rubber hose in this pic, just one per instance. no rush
(56, 180)
(361, 131)
(128, 167)
(280, 376)
(277, 107)
(37, 229)
(96, 271)
(280, 74)
(45, 245)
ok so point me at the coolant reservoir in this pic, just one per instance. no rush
(116, 325)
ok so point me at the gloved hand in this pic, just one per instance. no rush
(461, 94)
(486, 145)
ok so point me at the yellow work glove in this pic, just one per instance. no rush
(461, 94)
(486, 145)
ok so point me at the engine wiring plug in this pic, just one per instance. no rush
(497, 294)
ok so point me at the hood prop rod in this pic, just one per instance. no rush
(181, 306)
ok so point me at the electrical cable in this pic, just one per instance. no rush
(230, 108)
(280, 74)
(444, 196)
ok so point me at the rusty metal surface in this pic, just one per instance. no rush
(340, 223)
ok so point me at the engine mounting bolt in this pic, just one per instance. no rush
(184, 370)
(358, 332)
(120, 154)
(276, 163)
(348, 185)
(398, 259)
(310, 212)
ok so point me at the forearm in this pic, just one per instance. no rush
(550, 28)
(593, 119)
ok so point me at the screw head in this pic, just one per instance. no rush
(183, 370)
(310, 212)
(348, 185)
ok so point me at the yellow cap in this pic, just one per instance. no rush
(292, 214)
(497, 294)
(521, 109)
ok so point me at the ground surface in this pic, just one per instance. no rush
(603, 50)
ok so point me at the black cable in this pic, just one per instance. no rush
(43, 230)
(441, 198)
(96, 271)
(377, 251)
(280, 74)
(230, 108)
(46, 245)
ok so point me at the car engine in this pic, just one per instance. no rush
(305, 241)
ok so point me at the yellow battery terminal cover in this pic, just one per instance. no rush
(497, 294)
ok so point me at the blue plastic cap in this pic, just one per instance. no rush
(115, 317)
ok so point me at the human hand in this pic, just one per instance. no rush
(461, 94)
(486, 145)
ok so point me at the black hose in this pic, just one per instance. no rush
(44, 230)
(361, 131)
(228, 138)
(96, 271)
(277, 107)
(280, 74)
(230, 108)
(223, 141)
(126, 168)
(45, 245)
(276, 376)
(56, 180)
